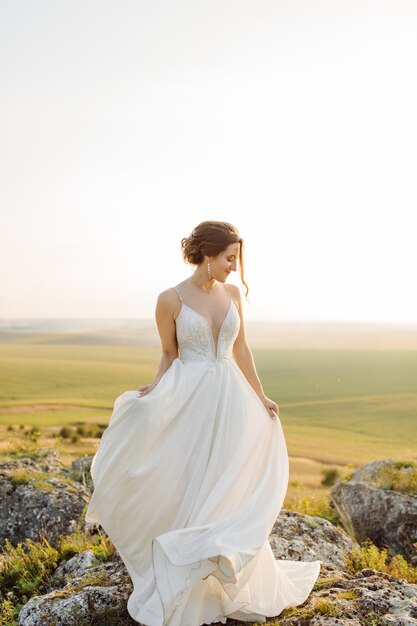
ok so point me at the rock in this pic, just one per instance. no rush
(367, 597)
(39, 496)
(306, 537)
(81, 471)
(368, 510)
(73, 568)
(99, 596)
(84, 592)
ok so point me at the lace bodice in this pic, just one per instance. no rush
(195, 336)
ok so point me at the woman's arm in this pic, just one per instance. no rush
(244, 358)
(166, 306)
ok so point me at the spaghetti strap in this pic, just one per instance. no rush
(174, 288)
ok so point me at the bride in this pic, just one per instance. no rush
(192, 470)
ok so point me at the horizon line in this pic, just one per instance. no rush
(4, 320)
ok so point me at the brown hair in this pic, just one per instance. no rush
(210, 238)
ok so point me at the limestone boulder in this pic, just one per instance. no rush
(308, 538)
(39, 496)
(370, 507)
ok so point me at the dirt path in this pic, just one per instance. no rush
(37, 408)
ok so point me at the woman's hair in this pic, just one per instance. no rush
(210, 238)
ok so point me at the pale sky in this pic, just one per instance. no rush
(123, 124)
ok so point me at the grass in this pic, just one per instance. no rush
(368, 555)
(87, 376)
(401, 476)
(40, 480)
(339, 409)
(101, 579)
(316, 505)
(336, 406)
(26, 569)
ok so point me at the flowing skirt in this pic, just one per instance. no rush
(188, 482)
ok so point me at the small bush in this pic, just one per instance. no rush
(74, 543)
(8, 612)
(400, 476)
(324, 607)
(330, 475)
(317, 506)
(66, 432)
(347, 474)
(20, 477)
(25, 570)
(369, 555)
(33, 434)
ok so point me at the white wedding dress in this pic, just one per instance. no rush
(188, 482)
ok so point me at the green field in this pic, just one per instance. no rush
(337, 407)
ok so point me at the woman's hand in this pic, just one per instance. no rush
(271, 407)
(146, 389)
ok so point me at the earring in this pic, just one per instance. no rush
(209, 270)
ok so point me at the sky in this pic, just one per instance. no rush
(123, 124)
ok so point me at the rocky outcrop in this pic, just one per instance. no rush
(371, 507)
(75, 567)
(368, 598)
(306, 538)
(83, 592)
(94, 595)
(95, 592)
(81, 470)
(39, 496)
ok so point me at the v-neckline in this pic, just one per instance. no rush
(215, 347)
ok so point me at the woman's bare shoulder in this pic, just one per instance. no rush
(235, 292)
(167, 298)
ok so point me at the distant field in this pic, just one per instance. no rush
(261, 334)
(347, 394)
(337, 406)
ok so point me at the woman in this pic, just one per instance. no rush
(192, 471)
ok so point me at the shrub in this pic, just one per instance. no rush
(330, 475)
(33, 434)
(8, 612)
(317, 506)
(400, 476)
(20, 477)
(66, 432)
(25, 570)
(79, 541)
(369, 555)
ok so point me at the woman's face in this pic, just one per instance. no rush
(224, 263)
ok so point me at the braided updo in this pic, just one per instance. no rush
(210, 238)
